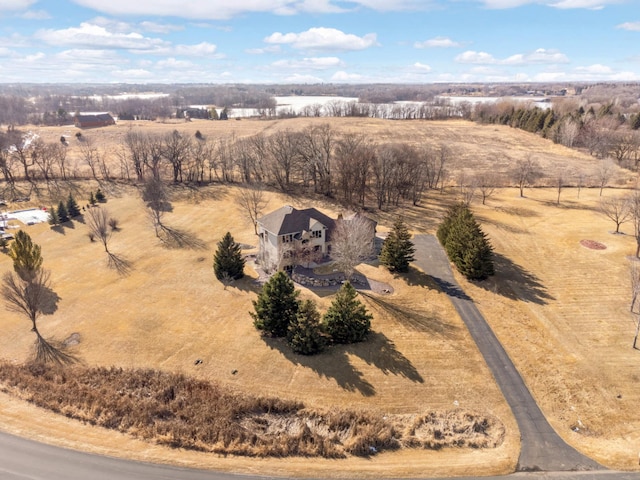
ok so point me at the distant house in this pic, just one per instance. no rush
(93, 120)
(290, 237)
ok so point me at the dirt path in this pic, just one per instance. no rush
(542, 448)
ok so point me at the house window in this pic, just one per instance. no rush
(316, 234)
(287, 238)
(316, 248)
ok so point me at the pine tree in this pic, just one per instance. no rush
(467, 246)
(72, 207)
(228, 261)
(100, 198)
(92, 199)
(304, 334)
(53, 216)
(276, 306)
(397, 249)
(347, 319)
(63, 214)
(26, 256)
(445, 226)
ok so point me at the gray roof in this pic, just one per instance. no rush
(288, 220)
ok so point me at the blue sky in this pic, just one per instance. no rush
(313, 41)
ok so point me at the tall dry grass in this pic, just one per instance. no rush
(182, 412)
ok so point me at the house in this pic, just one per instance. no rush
(290, 237)
(93, 120)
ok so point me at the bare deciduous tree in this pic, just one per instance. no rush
(635, 292)
(618, 209)
(525, 172)
(352, 242)
(32, 298)
(154, 194)
(634, 206)
(466, 189)
(252, 202)
(603, 174)
(487, 184)
(98, 222)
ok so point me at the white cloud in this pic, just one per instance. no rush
(36, 15)
(322, 38)
(160, 27)
(15, 4)
(174, 64)
(317, 63)
(225, 9)
(596, 69)
(562, 4)
(261, 51)
(631, 26)
(203, 49)
(422, 67)
(344, 77)
(471, 56)
(132, 74)
(95, 36)
(297, 78)
(539, 56)
(437, 42)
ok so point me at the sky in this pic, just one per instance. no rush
(318, 41)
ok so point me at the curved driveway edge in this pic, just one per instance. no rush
(542, 449)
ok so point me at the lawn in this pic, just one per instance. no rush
(560, 309)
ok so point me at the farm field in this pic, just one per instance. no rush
(559, 308)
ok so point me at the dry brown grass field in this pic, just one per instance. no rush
(560, 310)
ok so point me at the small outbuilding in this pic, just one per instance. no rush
(93, 120)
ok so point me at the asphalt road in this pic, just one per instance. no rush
(542, 448)
(22, 459)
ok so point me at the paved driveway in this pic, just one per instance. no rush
(542, 448)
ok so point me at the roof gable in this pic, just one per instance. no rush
(288, 220)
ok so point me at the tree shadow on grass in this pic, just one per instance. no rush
(180, 239)
(119, 264)
(515, 282)
(416, 320)
(49, 303)
(333, 364)
(378, 350)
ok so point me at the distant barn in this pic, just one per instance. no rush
(93, 120)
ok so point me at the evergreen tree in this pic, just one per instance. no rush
(445, 226)
(26, 256)
(92, 199)
(224, 114)
(304, 334)
(276, 306)
(72, 207)
(100, 196)
(53, 217)
(397, 249)
(347, 319)
(467, 246)
(63, 214)
(635, 121)
(228, 261)
(213, 113)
